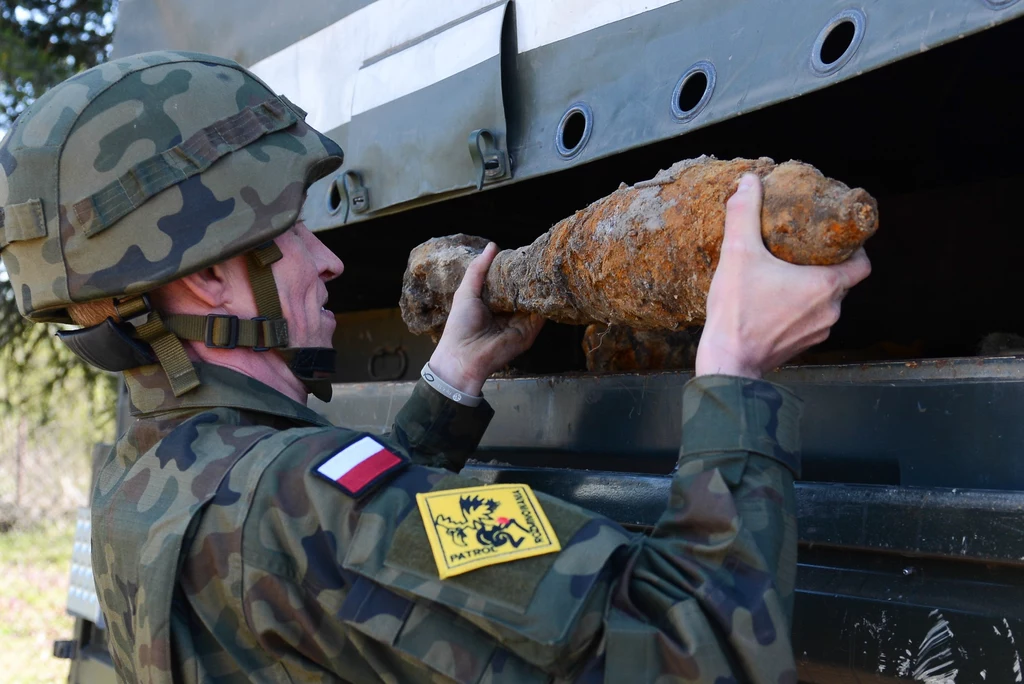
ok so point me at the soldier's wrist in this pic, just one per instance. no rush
(452, 368)
(439, 384)
(716, 358)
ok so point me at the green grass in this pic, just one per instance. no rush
(34, 569)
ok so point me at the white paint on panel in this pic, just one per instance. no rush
(428, 62)
(318, 72)
(542, 22)
(323, 72)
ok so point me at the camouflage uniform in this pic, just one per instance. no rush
(220, 556)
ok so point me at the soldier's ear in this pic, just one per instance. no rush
(221, 287)
(210, 287)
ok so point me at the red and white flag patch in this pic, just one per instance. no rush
(359, 466)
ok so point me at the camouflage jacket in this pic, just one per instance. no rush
(220, 556)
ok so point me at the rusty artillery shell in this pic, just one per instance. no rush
(644, 255)
(618, 349)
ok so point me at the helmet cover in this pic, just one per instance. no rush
(143, 170)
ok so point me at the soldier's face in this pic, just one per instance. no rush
(301, 274)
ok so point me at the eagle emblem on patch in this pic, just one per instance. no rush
(475, 527)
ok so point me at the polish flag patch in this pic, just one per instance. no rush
(360, 466)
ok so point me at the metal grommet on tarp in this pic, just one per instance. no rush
(693, 91)
(574, 130)
(838, 42)
(333, 199)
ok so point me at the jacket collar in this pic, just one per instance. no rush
(150, 393)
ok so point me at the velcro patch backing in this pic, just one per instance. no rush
(360, 466)
(511, 585)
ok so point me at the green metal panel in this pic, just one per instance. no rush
(243, 30)
(626, 75)
(419, 145)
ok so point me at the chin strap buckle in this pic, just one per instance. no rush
(133, 310)
(170, 353)
(221, 331)
(262, 324)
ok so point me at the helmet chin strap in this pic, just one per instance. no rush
(118, 345)
(313, 366)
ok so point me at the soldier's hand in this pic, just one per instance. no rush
(476, 342)
(763, 311)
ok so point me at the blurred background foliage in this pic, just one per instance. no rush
(43, 381)
(53, 408)
(43, 42)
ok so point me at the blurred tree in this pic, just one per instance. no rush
(43, 42)
(40, 379)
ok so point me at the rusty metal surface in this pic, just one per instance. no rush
(621, 349)
(644, 255)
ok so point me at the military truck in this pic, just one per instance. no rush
(500, 118)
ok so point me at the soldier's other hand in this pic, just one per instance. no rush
(763, 311)
(476, 342)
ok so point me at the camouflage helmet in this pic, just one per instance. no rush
(145, 169)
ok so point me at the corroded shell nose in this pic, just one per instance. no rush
(858, 220)
(863, 209)
(810, 219)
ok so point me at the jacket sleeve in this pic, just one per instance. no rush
(437, 431)
(350, 585)
(709, 594)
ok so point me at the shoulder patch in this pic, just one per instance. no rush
(359, 467)
(475, 527)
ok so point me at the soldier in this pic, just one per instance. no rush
(238, 536)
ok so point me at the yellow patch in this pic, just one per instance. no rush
(475, 527)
